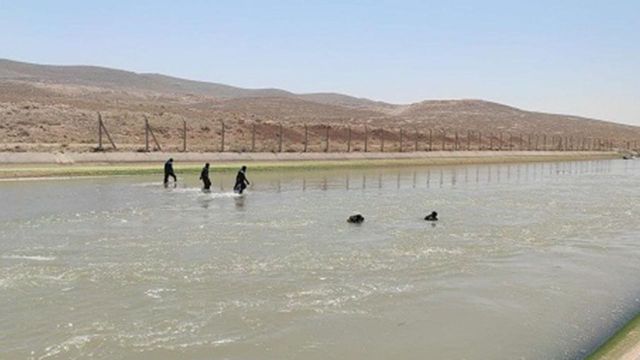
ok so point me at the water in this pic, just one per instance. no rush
(531, 261)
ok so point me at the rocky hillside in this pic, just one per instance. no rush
(45, 107)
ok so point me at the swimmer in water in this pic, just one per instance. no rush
(204, 176)
(241, 180)
(355, 219)
(168, 172)
(432, 217)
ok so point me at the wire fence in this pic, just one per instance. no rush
(276, 137)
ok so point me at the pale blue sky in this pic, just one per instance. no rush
(575, 57)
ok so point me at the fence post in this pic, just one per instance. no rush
(415, 145)
(102, 128)
(280, 136)
(99, 132)
(537, 141)
(366, 138)
(253, 137)
(153, 135)
(349, 139)
(222, 136)
(146, 134)
(306, 138)
(444, 137)
(382, 141)
(468, 140)
(430, 139)
(184, 135)
(401, 138)
(491, 141)
(521, 143)
(480, 140)
(326, 149)
(106, 132)
(544, 146)
(456, 143)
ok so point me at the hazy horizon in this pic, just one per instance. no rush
(578, 58)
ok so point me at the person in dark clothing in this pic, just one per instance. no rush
(204, 176)
(355, 219)
(168, 172)
(241, 180)
(432, 217)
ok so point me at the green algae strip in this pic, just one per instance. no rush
(113, 169)
(623, 343)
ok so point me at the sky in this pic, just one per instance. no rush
(562, 56)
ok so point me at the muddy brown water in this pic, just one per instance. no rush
(531, 261)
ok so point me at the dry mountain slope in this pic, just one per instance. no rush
(45, 104)
(153, 83)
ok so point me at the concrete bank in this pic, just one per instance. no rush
(623, 345)
(14, 165)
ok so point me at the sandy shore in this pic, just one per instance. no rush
(19, 165)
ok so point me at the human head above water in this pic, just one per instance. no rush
(206, 165)
(170, 159)
(244, 168)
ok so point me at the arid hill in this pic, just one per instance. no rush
(44, 107)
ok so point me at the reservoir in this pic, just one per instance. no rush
(528, 261)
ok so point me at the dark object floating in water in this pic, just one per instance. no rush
(355, 219)
(627, 157)
(432, 217)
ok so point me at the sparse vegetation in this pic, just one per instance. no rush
(60, 105)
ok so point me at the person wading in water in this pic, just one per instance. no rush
(204, 176)
(168, 172)
(241, 180)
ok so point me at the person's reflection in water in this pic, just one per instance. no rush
(205, 201)
(239, 202)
